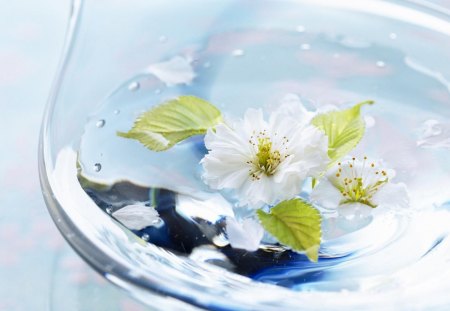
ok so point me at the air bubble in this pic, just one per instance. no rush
(158, 91)
(207, 65)
(100, 123)
(380, 64)
(238, 52)
(97, 167)
(305, 46)
(157, 221)
(109, 210)
(162, 39)
(300, 28)
(393, 35)
(370, 121)
(133, 86)
(145, 237)
(117, 111)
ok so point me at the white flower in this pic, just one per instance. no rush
(244, 235)
(355, 185)
(264, 161)
(291, 104)
(136, 216)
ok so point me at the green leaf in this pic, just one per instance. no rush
(173, 121)
(344, 129)
(296, 224)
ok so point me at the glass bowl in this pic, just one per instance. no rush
(395, 52)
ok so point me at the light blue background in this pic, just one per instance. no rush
(38, 270)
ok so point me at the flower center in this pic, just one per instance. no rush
(358, 185)
(266, 159)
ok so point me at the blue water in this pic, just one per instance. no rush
(246, 68)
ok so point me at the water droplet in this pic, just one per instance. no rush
(162, 39)
(393, 35)
(117, 111)
(238, 52)
(380, 64)
(97, 167)
(145, 237)
(100, 123)
(133, 86)
(157, 221)
(435, 131)
(434, 134)
(109, 210)
(220, 240)
(109, 267)
(305, 46)
(370, 121)
(300, 28)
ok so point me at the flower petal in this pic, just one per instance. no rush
(291, 105)
(253, 122)
(354, 210)
(326, 195)
(177, 70)
(136, 216)
(392, 195)
(245, 235)
(256, 192)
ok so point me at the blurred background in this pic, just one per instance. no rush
(38, 270)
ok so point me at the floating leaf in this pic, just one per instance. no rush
(296, 224)
(174, 121)
(344, 129)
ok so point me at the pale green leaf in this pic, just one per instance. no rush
(296, 224)
(344, 129)
(174, 121)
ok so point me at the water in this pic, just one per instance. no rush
(408, 128)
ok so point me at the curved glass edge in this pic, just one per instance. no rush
(79, 242)
(119, 275)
